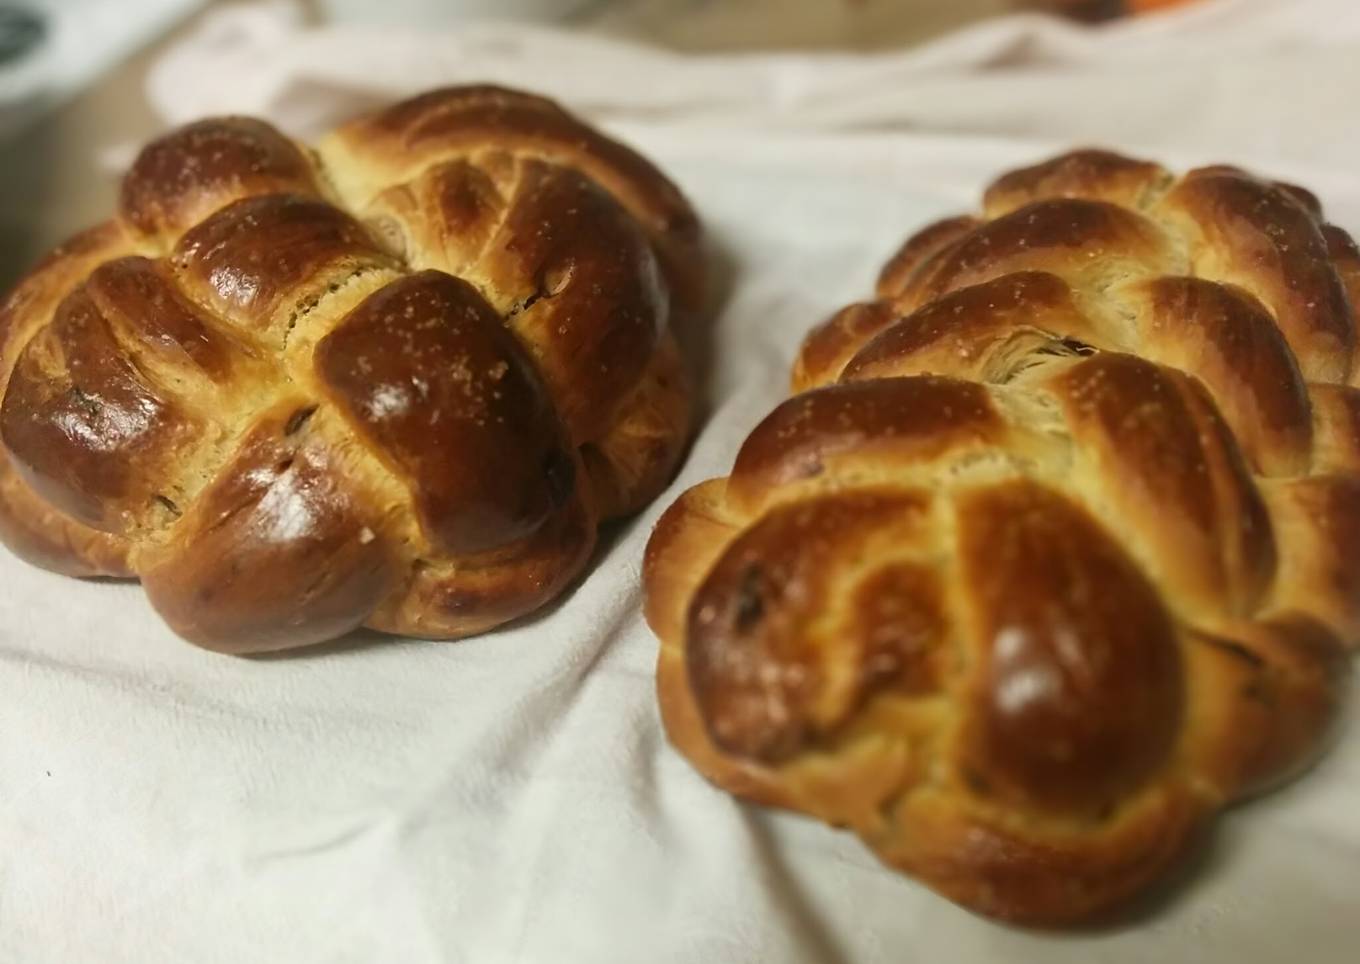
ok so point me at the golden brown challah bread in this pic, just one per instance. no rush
(395, 381)
(1055, 554)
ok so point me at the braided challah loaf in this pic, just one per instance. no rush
(1058, 551)
(396, 381)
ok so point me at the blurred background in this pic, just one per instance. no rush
(73, 73)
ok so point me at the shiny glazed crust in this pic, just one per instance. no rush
(1053, 556)
(394, 381)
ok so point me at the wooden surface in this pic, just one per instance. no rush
(785, 24)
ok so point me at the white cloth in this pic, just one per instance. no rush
(512, 798)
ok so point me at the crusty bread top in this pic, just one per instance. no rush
(395, 380)
(1054, 553)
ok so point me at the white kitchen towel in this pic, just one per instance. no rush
(1251, 77)
(512, 798)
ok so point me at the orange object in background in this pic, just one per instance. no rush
(1097, 10)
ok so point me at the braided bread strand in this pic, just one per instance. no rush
(394, 381)
(1052, 556)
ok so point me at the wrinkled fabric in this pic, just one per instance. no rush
(512, 798)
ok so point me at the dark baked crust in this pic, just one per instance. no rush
(395, 381)
(388, 147)
(1047, 561)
